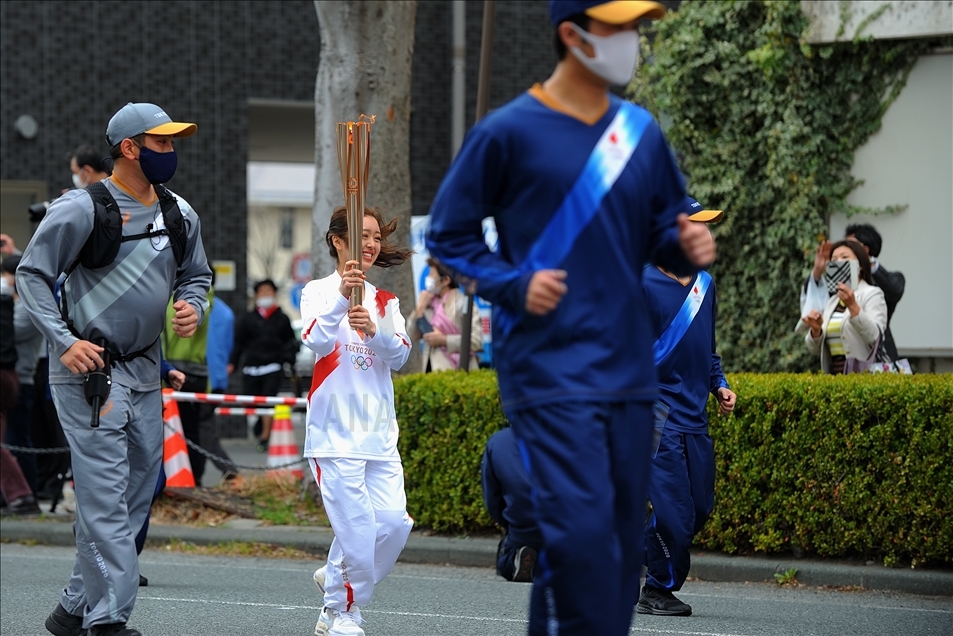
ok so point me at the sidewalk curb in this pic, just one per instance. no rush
(720, 567)
(479, 552)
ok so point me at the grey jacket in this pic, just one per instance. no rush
(125, 301)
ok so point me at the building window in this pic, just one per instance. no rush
(287, 228)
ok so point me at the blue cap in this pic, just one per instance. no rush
(617, 12)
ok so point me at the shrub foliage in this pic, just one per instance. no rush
(445, 420)
(834, 466)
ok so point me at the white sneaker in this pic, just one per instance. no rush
(324, 622)
(334, 623)
(319, 575)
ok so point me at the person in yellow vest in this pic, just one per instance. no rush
(188, 355)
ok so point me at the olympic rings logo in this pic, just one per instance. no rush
(362, 363)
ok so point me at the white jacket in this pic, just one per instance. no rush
(859, 333)
(351, 401)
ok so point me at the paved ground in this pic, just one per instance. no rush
(197, 595)
(480, 552)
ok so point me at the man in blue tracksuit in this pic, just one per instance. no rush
(584, 191)
(507, 495)
(682, 481)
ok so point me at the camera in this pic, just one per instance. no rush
(38, 211)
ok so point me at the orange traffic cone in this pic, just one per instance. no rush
(282, 447)
(175, 453)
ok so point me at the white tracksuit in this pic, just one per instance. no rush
(352, 437)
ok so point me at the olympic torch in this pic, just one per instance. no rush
(354, 160)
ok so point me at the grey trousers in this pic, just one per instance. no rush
(115, 468)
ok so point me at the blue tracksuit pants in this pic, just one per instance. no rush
(682, 492)
(588, 464)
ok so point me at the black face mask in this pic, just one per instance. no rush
(157, 167)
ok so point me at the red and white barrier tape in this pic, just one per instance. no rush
(228, 410)
(227, 398)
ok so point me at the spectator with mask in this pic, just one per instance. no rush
(814, 294)
(264, 343)
(29, 343)
(88, 166)
(440, 312)
(17, 496)
(852, 321)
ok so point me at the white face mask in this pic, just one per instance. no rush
(78, 182)
(433, 285)
(616, 55)
(265, 302)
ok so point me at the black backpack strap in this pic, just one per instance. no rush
(174, 222)
(102, 244)
(141, 353)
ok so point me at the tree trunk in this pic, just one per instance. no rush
(365, 64)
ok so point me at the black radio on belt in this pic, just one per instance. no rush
(97, 383)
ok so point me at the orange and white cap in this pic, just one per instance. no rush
(135, 119)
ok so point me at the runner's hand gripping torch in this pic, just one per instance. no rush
(97, 383)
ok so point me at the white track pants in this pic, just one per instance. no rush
(367, 508)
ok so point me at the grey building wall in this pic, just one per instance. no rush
(522, 55)
(71, 65)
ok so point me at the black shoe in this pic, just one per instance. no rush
(661, 603)
(62, 623)
(22, 506)
(113, 629)
(143, 581)
(523, 564)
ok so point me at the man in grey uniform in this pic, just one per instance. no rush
(115, 465)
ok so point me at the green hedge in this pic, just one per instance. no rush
(836, 466)
(831, 466)
(445, 419)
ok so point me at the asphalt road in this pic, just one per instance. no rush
(199, 595)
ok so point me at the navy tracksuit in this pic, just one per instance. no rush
(507, 494)
(588, 470)
(682, 483)
(576, 384)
